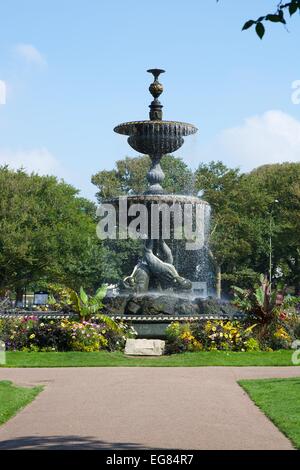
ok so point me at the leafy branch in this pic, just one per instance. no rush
(278, 17)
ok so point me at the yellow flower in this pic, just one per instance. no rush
(282, 334)
(32, 336)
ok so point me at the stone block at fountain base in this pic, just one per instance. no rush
(144, 347)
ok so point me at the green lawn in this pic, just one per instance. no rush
(115, 359)
(279, 399)
(13, 399)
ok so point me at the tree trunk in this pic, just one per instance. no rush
(19, 297)
(219, 282)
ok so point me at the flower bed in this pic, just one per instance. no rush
(235, 336)
(31, 334)
(210, 336)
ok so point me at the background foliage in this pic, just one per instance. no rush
(243, 205)
(48, 233)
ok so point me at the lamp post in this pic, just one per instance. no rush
(271, 241)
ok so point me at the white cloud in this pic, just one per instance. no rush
(38, 160)
(30, 54)
(43, 162)
(273, 137)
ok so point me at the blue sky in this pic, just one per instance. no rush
(75, 69)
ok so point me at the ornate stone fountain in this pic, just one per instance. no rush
(156, 292)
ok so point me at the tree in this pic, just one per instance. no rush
(245, 216)
(130, 177)
(229, 239)
(279, 15)
(281, 183)
(46, 233)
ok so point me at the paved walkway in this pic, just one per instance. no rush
(138, 408)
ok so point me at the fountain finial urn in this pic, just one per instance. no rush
(156, 90)
(156, 137)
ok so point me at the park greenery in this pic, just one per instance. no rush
(47, 234)
(118, 359)
(279, 400)
(13, 398)
(270, 323)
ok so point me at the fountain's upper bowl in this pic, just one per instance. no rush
(156, 137)
(156, 127)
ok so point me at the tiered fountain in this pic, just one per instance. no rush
(157, 292)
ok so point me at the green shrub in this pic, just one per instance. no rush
(274, 312)
(297, 331)
(274, 336)
(293, 325)
(180, 339)
(226, 336)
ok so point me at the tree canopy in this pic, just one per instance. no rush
(248, 209)
(129, 177)
(46, 232)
